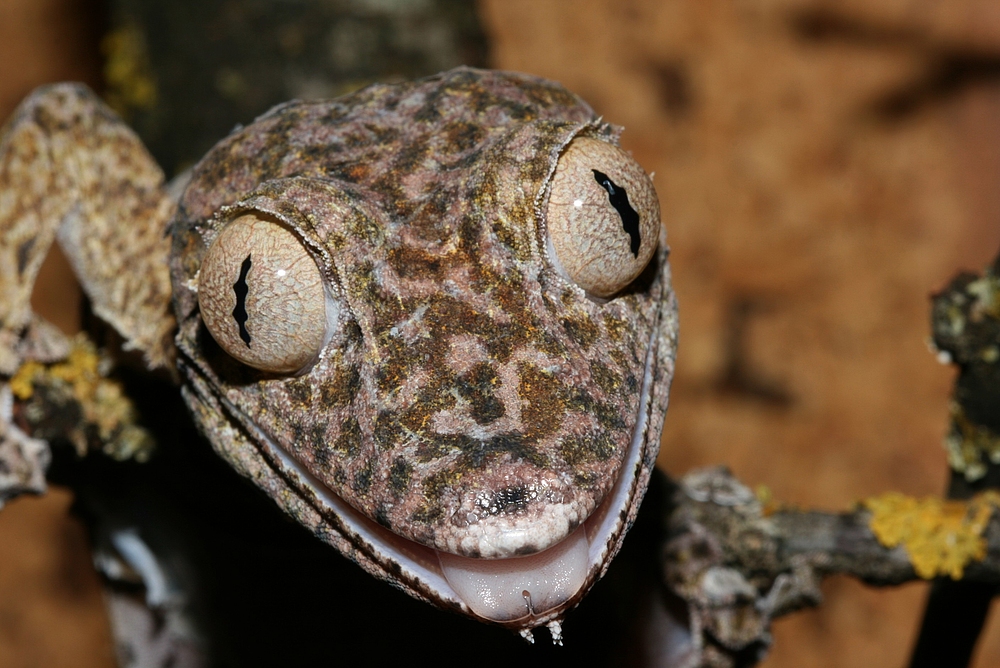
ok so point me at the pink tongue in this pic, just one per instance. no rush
(507, 589)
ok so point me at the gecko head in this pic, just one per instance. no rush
(445, 344)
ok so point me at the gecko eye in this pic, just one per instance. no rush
(262, 297)
(603, 217)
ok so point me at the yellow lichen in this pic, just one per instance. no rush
(102, 401)
(22, 384)
(940, 536)
(80, 370)
(765, 497)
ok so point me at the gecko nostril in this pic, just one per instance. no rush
(507, 501)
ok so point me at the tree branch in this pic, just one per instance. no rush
(738, 564)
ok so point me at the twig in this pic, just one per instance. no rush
(738, 565)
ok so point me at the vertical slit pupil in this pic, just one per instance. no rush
(619, 199)
(240, 312)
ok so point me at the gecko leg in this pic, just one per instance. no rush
(71, 171)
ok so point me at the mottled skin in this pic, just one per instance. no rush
(70, 167)
(468, 384)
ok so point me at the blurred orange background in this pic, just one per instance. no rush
(822, 169)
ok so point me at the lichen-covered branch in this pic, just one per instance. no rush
(68, 399)
(965, 323)
(738, 563)
(73, 399)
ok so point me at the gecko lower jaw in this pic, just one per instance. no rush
(519, 592)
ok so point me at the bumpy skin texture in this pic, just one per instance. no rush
(467, 383)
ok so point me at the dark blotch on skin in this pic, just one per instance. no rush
(479, 387)
(387, 431)
(339, 476)
(443, 445)
(623, 359)
(435, 485)
(426, 218)
(438, 483)
(578, 450)
(363, 480)
(475, 454)
(542, 402)
(240, 311)
(349, 440)
(619, 199)
(582, 331)
(300, 390)
(617, 328)
(342, 389)
(399, 476)
(411, 155)
(427, 514)
(462, 136)
(414, 263)
(606, 415)
(355, 173)
(478, 453)
(316, 437)
(605, 378)
(23, 253)
(382, 517)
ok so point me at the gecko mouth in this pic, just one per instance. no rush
(521, 592)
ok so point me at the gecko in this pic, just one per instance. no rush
(432, 320)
